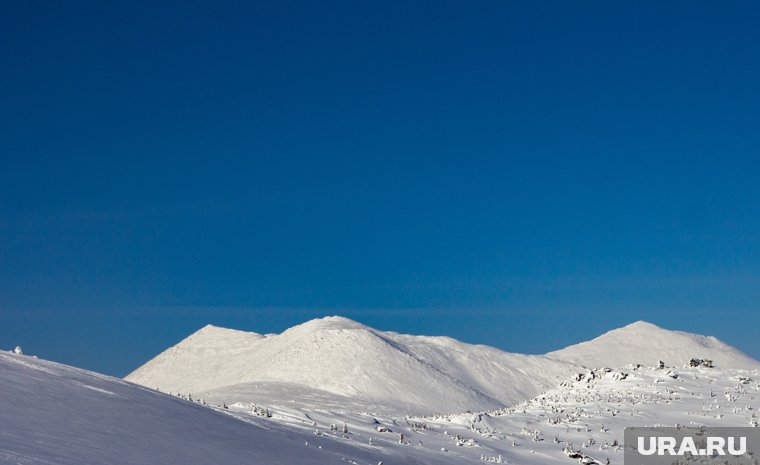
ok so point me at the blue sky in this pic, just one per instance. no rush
(520, 174)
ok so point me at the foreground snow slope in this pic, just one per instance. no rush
(55, 414)
(344, 359)
(335, 361)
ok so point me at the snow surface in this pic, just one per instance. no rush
(54, 414)
(645, 343)
(335, 360)
(414, 374)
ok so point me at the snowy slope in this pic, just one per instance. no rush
(645, 343)
(336, 361)
(54, 414)
(587, 413)
(341, 359)
(58, 415)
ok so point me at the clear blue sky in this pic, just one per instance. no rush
(521, 174)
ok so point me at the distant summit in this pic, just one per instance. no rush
(647, 344)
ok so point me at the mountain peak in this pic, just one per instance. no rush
(641, 324)
(217, 332)
(646, 343)
(208, 328)
(337, 321)
(327, 323)
(638, 327)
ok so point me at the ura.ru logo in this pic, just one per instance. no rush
(710, 447)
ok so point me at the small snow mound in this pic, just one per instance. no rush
(18, 351)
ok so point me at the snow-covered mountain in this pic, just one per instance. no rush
(337, 362)
(647, 344)
(51, 414)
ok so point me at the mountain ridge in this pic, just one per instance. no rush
(336, 356)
